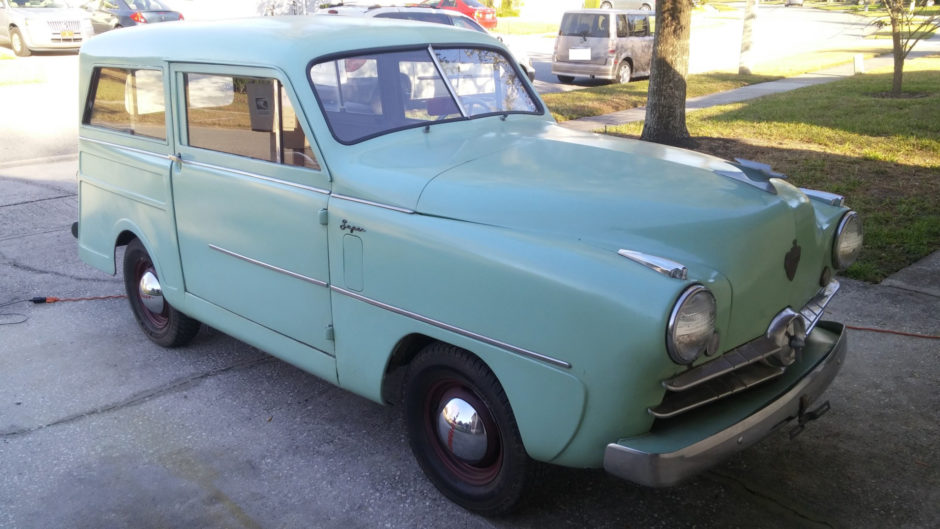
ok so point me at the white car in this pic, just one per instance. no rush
(43, 26)
(427, 14)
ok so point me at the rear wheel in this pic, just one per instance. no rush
(18, 44)
(163, 324)
(462, 430)
(646, 7)
(566, 78)
(606, 5)
(624, 72)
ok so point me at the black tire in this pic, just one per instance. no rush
(624, 73)
(566, 78)
(18, 44)
(493, 483)
(606, 5)
(168, 327)
(646, 7)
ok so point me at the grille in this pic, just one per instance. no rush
(65, 30)
(735, 371)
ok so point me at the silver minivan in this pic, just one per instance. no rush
(604, 44)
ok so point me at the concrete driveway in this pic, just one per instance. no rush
(99, 428)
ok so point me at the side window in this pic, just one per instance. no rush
(129, 101)
(639, 26)
(246, 116)
(622, 26)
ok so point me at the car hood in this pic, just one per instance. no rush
(618, 194)
(51, 13)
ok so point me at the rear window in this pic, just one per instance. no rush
(128, 101)
(585, 25)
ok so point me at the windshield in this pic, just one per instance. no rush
(364, 96)
(37, 3)
(584, 25)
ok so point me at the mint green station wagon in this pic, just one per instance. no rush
(389, 206)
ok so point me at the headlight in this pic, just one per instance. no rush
(848, 242)
(691, 325)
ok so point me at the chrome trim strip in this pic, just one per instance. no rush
(828, 198)
(370, 203)
(450, 88)
(666, 267)
(743, 379)
(269, 266)
(126, 148)
(451, 328)
(255, 176)
(660, 469)
(812, 312)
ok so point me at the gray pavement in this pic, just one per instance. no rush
(922, 49)
(99, 428)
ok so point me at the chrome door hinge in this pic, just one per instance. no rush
(324, 217)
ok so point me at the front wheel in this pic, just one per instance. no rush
(646, 7)
(606, 5)
(18, 44)
(462, 430)
(163, 324)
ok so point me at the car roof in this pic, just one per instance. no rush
(266, 41)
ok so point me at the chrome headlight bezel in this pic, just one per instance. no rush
(847, 243)
(684, 342)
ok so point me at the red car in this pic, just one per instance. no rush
(485, 16)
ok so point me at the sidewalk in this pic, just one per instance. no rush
(592, 123)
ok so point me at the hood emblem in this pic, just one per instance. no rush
(792, 260)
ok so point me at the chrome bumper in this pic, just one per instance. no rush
(640, 460)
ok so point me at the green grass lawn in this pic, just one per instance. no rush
(882, 154)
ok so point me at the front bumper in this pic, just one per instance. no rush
(671, 454)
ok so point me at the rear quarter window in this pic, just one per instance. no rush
(129, 101)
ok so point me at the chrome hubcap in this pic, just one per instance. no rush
(151, 295)
(461, 430)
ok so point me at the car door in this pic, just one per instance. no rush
(250, 198)
(641, 43)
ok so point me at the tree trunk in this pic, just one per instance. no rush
(745, 60)
(898, 55)
(665, 107)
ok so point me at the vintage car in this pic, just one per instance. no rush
(390, 206)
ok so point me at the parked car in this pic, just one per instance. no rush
(389, 206)
(645, 5)
(604, 44)
(114, 14)
(434, 16)
(789, 3)
(32, 25)
(485, 16)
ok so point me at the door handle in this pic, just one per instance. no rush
(177, 159)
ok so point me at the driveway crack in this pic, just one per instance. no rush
(144, 396)
(731, 481)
